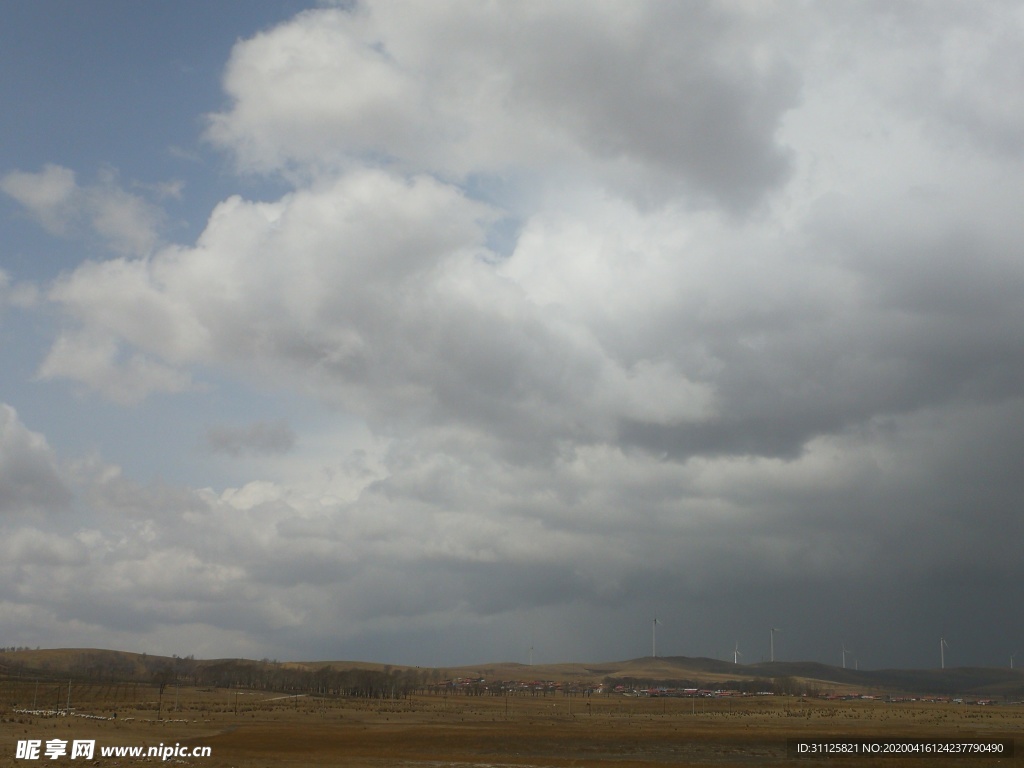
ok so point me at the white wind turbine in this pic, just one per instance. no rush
(844, 655)
(736, 653)
(943, 647)
(771, 641)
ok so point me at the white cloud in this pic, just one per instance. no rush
(125, 222)
(950, 68)
(643, 93)
(47, 195)
(21, 295)
(30, 481)
(101, 364)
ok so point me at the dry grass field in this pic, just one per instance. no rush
(249, 729)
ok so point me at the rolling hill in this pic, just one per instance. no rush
(101, 664)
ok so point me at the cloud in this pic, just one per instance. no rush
(166, 189)
(750, 349)
(30, 481)
(261, 437)
(445, 542)
(21, 295)
(47, 195)
(376, 294)
(953, 68)
(123, 221)
(104, 366)
(642, 94)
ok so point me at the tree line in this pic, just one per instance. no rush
(780, 686)
(160, 671)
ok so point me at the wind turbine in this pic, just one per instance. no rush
(845, 651)
(771, 637)
(1011, 659)
(736, 653)
(654, 637)
(943, 645)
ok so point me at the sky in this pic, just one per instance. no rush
(458, 332)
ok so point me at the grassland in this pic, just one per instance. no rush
(257, 729)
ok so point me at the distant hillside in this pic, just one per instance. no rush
(974, 681)
(108, 665)
(82, 662)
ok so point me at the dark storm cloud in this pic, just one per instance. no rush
(778, 437)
